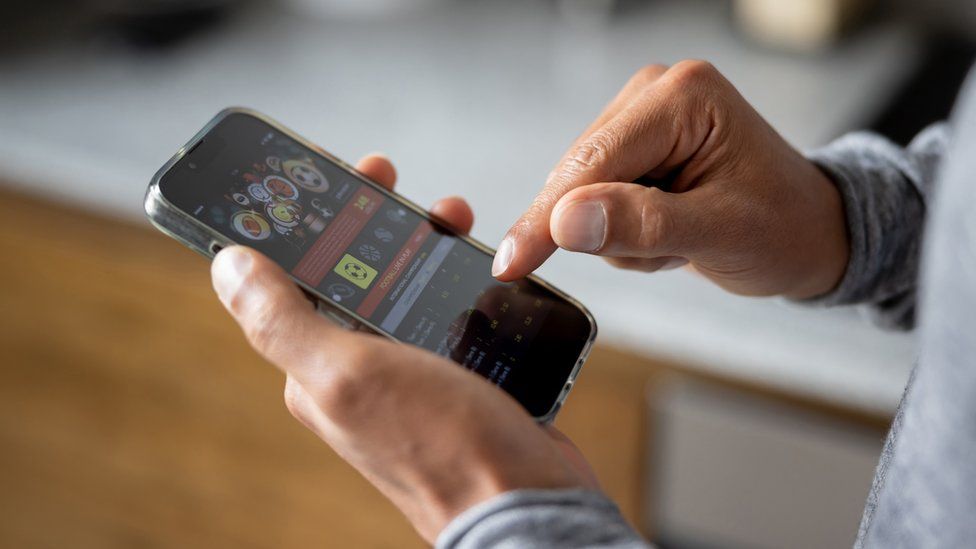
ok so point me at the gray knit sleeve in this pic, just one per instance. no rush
(885, 189)
(570, 519)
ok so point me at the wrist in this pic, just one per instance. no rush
(827, 244)
(440, 501)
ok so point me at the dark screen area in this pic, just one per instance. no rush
(372, 255)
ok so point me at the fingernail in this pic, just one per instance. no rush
(503, 257)
(229, 270)
(581, 226)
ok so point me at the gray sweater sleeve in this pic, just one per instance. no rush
(884, 188)
(569, 519)
(924, 494)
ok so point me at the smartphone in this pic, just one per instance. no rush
(373, 260)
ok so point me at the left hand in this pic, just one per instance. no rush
(433, 437)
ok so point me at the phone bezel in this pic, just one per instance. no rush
(185, 228)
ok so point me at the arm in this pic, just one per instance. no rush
(923, 494)
(885, 189)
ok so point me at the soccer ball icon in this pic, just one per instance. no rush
(355, 270)
(306, 175)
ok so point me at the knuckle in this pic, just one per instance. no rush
(540, 207)
(693, 73)
(649, 73)
(349, 389)
(264, 325)
(589, 156)
(237, 302)
(656, 223)
(295, 401)
(695, 69)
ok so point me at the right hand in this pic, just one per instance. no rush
(744, 209)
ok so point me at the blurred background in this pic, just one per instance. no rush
(132, 414)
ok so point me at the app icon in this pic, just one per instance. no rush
(398, 215)
(355, 271)
(258, 192)
(306, 175)
(383, 234)
(242, 199)
(339, 291)
(284, 212)
(370, 253)
(279, 186)
(251, 225)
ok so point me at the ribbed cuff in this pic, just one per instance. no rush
(564, 517)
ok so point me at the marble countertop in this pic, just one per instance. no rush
(479, 101)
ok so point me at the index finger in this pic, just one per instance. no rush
(662, 126)
(378, 167)
(617, 151)
(527, 225)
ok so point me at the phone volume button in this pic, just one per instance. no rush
(343, 321)
(336, 317)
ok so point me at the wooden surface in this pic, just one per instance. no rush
(132, 413)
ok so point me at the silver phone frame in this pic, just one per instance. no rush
(202, 239)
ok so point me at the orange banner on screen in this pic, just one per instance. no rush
(334, 241)
(393, 272)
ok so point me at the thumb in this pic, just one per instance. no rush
(277, 319)
(628, 220)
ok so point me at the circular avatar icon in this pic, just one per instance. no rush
(284, 212)
(369, 252)
(355, 271)
(339, 291)
(383, 234)
(306, 175)
(398, 215)
(258, 192)
(251, 225)
(274, 163)
(242, 199)
(281, 187)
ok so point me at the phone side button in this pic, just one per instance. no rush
(346, 323)
(551, 416)
(337, 318)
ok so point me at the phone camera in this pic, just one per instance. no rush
(192, 165)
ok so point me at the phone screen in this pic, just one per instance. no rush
(376, 257)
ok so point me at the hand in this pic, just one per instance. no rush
(744, 208)
(433, 437)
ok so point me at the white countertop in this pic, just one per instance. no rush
(480, 101)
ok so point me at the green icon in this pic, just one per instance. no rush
(355, 271)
